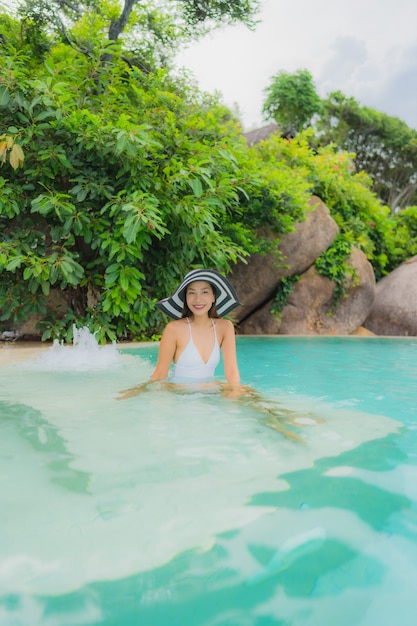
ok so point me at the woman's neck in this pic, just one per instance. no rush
(200, 320)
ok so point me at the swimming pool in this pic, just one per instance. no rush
(173, 509)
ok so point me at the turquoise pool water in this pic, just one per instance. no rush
(171, 509)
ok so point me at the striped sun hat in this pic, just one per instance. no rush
(226, 298)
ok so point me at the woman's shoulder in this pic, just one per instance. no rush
(223, 321)
(176, 326)
(224, 325)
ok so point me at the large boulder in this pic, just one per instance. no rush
(310, 307)
(394, 311)
(300, 248)
(261, 322)
(257, 280)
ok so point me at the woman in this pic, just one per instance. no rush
(194, 339)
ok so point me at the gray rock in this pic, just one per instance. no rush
(310, 308)
(257, 281)
(262, 322)
(9, 335)
(394, 311)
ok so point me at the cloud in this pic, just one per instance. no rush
(387, 84)
(349, 54)
(397, 93)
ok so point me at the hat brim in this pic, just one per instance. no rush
(226, 297)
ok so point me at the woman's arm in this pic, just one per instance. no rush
(166, 354)
(228, 345)
(167, 348)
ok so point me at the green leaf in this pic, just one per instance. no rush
(4, 96)
(124, 282)
(15, 263)
(45, 114)
(196, 186)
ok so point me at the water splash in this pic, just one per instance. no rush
(84, 354)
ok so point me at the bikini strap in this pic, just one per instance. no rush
(189, 325)
(214, 328)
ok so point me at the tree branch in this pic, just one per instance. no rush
(69, 5)
(116, 27)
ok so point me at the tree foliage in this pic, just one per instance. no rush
(384, 147)
(292, 101)
(149, 31)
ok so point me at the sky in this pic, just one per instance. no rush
(367, 49)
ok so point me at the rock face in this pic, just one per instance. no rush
(394, 311)
(262, 322)
(308, 241)
(309, 309)
(257, 281)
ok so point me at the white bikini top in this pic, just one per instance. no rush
(191, 365)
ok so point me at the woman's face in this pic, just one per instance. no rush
(200, 297)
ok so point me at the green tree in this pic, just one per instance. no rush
(384, 147)
(292, 101)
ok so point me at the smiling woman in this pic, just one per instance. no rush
(193, 341)
(198, 334)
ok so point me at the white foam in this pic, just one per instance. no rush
(84, 354)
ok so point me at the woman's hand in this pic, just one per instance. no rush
(135, 391)
(238, 391)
